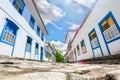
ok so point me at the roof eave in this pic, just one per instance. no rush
(35, 12)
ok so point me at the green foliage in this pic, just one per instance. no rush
(59, 56)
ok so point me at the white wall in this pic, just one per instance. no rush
(99, 12)
(8, 11)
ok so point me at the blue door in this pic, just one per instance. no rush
(41, 55)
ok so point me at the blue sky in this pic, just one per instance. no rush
(60, 16)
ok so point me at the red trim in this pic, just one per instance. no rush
(68, 32)
(80, 26)
(70, 42)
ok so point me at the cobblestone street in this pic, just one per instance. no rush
(18, 69)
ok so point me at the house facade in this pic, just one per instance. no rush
(69, 37)
(99, 35)
(22, 31)
(50, 52)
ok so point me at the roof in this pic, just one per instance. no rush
(78, 31)
(68, 32)
(35, 12)
(80, 27)
(82, 24)
(51, 47)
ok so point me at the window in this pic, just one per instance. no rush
(19, 5)
(78, 50)
(28, 44)
(41, 49)
(75, 51)
(42, 36)
(41, 56)
(32, 22)
(109, 29)
(75, 54)
(46, 54)
(72, 55)
(83, 46)
(38, 31)
(9, 32)
(49, 57)
(36, 48)
(93, 39)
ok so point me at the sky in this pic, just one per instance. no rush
(60, 16)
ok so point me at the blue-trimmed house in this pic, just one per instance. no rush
(50, 52)
(22, 31)
(99, 34)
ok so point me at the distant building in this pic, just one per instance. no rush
(69, 37)
(50, 52)
(22, 31)
(99, 35)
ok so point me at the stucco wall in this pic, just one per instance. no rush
(99, 12)
(8, 11)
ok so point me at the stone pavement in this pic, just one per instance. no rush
(18, 69)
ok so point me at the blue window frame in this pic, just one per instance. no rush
(28, 44)
(41, 56)
(94, 42)
(42, 36)
(9, 32)
(83, 46)
(46, 54)
(93, 39)
(19, 5)
(38, 31)
(110, 29)
(32, 22)
(36, 48)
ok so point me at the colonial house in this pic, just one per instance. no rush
(69, 37)
(22, 31)
(50, 52)
(99, 34)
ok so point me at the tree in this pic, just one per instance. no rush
(59, 56)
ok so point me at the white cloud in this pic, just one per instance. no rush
(67, 2)
(73, 26)
(60, 45)
(56, 26)
(86, 3)
(83, 5)
(49, 12)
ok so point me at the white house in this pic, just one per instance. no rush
(69, 37)
(99, 34)
(22, 31)
(50, 52)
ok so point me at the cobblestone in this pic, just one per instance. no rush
(20, 69)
